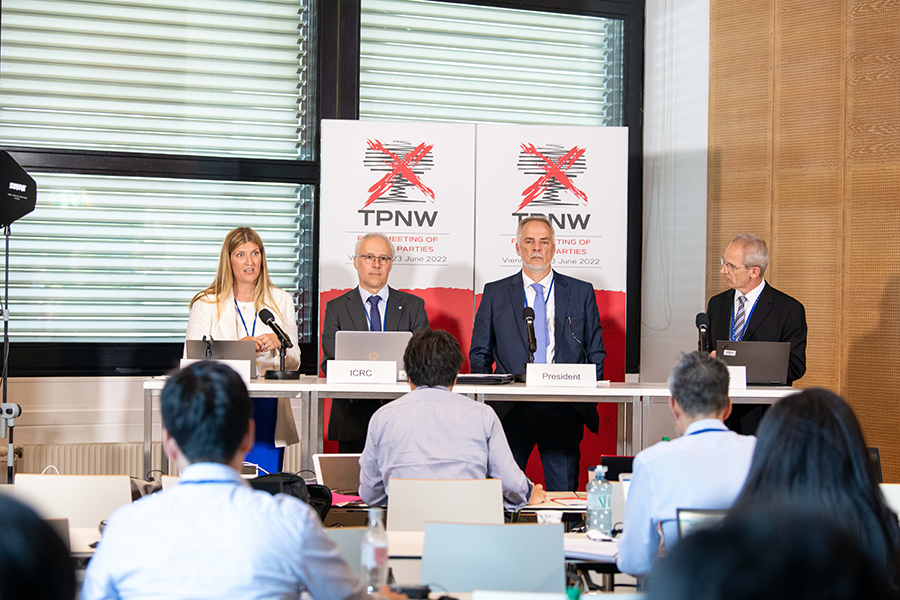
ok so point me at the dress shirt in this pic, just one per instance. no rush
(530, 297)
(750, 301)
(382, 306)
(213, 536)
(705, 468)
(432, 433)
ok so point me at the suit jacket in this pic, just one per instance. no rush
(776, 318)
(499, 335)
(404, 312)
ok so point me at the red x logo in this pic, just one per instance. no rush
(402, 167)
(554, 170)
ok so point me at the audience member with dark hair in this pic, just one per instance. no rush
(704, 468)
(771, 554)
(432, 433)
(811, 454)
(34, 561)
(212, 535)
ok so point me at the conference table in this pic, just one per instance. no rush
(307, 396)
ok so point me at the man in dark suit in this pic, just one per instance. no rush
(372, 306)
(753, 310)
(567, 326)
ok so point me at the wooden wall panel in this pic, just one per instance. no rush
(872, 309)
(807, 248)
(827, 118)
(740, 125)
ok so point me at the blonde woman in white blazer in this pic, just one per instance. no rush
(229, 310)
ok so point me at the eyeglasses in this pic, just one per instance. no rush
(372, 259)
(730, 267)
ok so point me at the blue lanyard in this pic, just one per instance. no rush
(247, 331)
(746, 323)
(710, 429)
(544, 298)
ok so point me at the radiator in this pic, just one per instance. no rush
(89, 459)
(111, 459)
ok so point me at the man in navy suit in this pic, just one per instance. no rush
(372, 306)
(567, 325)
(752, 310)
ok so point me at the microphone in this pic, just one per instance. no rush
(209, 346)
(269, 319)
(702, 323)
(528, 316)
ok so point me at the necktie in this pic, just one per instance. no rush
(374, 314)
(540, 324)
(739, 319)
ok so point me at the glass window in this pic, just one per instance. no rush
(425, 60)
(119, 258)
(192, 77)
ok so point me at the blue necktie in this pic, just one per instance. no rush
(540, 324)
(374, 314)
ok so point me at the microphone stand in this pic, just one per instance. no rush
(282, 374)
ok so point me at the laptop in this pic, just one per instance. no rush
(766, 362)
(616, 465)
(223, 350)
(372, 345)
(338, 472)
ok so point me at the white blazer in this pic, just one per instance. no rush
(206, 320)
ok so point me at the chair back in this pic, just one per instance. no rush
(169, 481)
(84, 500)
(349, 540)
(413, 502)
(516, 558)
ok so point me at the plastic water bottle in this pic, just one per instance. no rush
(599, 505)
(374, 555)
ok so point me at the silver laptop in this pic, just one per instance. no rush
(338, 472)
(223, 350)
(766, 362)
(372, 345)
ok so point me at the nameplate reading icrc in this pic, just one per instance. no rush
(362, 371)
(560, 375)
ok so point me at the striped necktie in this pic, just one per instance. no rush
(739, 319)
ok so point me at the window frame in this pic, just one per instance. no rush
(337, 97)
(339, 94)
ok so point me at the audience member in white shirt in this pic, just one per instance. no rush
(212, 535)
(705, 468)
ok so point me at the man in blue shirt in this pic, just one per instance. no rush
(214, 536)
(705, 468)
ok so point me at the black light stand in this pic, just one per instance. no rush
(18, 193)
(8, 412)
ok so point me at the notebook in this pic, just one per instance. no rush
(223, 350)
(766, 362)
(338, 472)
(372, 345)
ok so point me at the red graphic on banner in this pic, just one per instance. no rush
(554, 170)
(400, 167)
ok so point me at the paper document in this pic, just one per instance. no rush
(578, 546)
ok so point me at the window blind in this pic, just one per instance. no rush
(105, 258)
(192, 77)
(424, 60)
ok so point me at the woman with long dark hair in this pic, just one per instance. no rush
(811, 456)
